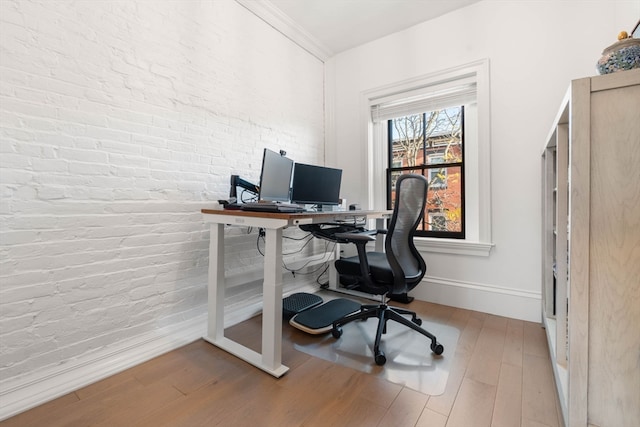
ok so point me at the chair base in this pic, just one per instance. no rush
(384, 313)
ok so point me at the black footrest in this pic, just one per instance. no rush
(299, 302)
(320, 319)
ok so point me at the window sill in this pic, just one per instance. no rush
(453, 246)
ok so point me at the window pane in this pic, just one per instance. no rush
(444, 211)
(427, 138)
(407, 146)
(444, 200)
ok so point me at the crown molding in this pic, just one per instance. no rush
(273, 16)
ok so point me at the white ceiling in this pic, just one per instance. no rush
(338, 25)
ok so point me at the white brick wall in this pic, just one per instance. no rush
(119, 121)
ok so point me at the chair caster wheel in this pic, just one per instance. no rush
(437, 348)
(417, 321)
(336, 332)
(380, 359)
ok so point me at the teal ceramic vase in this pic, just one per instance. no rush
(620, 56)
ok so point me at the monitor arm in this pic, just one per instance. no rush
(236, 181)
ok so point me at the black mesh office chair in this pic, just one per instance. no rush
(396, 271)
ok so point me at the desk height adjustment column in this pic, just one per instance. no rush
(272, 302)
(215, 325)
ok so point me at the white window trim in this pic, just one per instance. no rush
(477, 160)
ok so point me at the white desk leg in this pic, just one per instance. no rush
(270, 359)
(272, 301)
(215, 297)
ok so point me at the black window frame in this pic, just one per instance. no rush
(423, 170)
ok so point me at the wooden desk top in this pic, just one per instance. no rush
(296, 215)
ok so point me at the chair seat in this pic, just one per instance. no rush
(378, 264)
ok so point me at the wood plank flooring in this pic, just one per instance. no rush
(501, 377)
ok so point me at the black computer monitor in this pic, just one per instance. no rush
(315, 185)
(275, 177)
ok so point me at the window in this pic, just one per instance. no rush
(455, 158)
(431, 144)
(438, 175)
(437, 221)
(438, 179)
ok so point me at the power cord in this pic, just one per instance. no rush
(309, 237)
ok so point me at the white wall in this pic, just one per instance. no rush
(119, 121)
(535, 48)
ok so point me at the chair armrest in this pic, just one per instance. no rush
(360, 240)
(373, 232)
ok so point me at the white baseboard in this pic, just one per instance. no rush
(507, 302)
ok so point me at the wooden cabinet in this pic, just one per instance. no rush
(591, 250)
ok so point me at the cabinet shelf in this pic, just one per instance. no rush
(590, 212)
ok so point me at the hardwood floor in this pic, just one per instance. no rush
(500, 377)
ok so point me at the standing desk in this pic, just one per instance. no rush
(270, 360)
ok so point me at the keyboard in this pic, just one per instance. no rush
(272, 207)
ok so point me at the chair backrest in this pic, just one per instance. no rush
(407, 264)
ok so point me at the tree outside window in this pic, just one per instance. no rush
(431, 144)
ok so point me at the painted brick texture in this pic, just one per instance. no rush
(119, 121)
